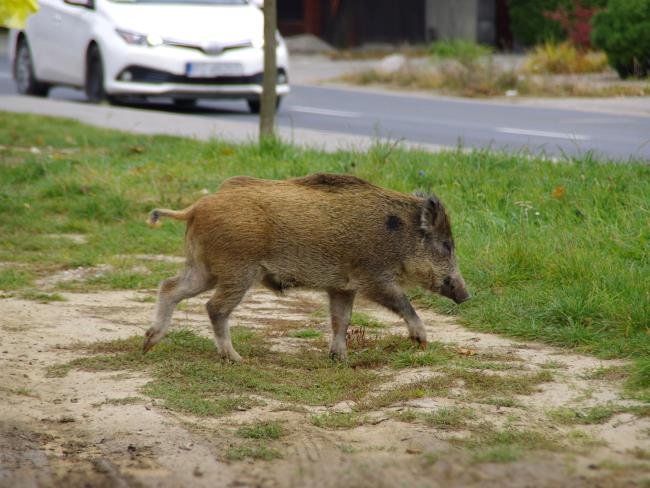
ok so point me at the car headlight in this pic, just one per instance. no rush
(138, 39)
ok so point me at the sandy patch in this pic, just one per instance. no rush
(63, 432)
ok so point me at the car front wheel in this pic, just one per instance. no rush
(26, 81)
(255, 104)
(184, 103)
(95, 77)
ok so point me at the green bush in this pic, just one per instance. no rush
(528, 23)
(530, 26)
(623, 32)
(466, 52)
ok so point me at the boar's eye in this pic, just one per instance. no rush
(447, 246)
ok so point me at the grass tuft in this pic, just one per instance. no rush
(451, 418)
(506, 445)
(595, 415)
(261, 430)
(336, 420)
(497, 454)
(255, 451)
(13, 279)
(363, 320)
(305, 334)
(42, 297)
(564, 58)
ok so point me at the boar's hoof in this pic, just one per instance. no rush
(150, 340)
(422, 343)
(230, 356)
(339, 355)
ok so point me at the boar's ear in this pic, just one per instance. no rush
(433, 214)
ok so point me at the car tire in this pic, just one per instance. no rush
(94, 85)
(26, 81)
(255, 104)
(185, 102)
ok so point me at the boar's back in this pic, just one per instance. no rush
(331, 182)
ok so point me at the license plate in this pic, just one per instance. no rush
(211, 70)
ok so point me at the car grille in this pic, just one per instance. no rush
(210, 50)
(141, 74)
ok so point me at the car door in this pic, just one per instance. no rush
(71, 20)
(41, 37)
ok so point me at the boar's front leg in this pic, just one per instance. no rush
(394, 299)
(341, 302)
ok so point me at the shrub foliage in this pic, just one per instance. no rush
(623, 32)
(531, 23)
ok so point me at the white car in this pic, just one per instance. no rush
(183, 49)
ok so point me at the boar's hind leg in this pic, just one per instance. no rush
(394, 299)
(226, 297)
(189, 283)
(340, 311)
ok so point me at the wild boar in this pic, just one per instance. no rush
(329, 232)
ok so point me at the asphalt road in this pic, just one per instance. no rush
(435, 120)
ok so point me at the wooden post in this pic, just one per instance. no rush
(269, 95)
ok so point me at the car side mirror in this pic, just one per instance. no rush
(89, 4)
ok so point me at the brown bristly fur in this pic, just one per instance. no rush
(324, 231)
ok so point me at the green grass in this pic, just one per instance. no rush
(552, 252)
(42, 297)
(305, 334)
(261, 430)
(595, 415)
(130, 400)
(12, 279)
(506, 445)
(363, 320)
(336, 420)
(450, 418)
(189, 376)
(254, 451)
(502, 402)
(58, 370)
(22, 391)
(466, 52)
(497, 454)
(553, 365)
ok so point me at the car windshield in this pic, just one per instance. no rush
(186, 2)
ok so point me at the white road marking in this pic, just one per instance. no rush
(324, 111)
(543, 133)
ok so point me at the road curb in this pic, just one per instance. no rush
(197, 127)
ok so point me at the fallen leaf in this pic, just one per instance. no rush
(558, 192)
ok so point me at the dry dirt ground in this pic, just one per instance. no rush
(64, 432)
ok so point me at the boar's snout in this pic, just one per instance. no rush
(454, 288)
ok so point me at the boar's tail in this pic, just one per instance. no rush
(156, 213)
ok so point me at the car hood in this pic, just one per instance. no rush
(199, 23)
